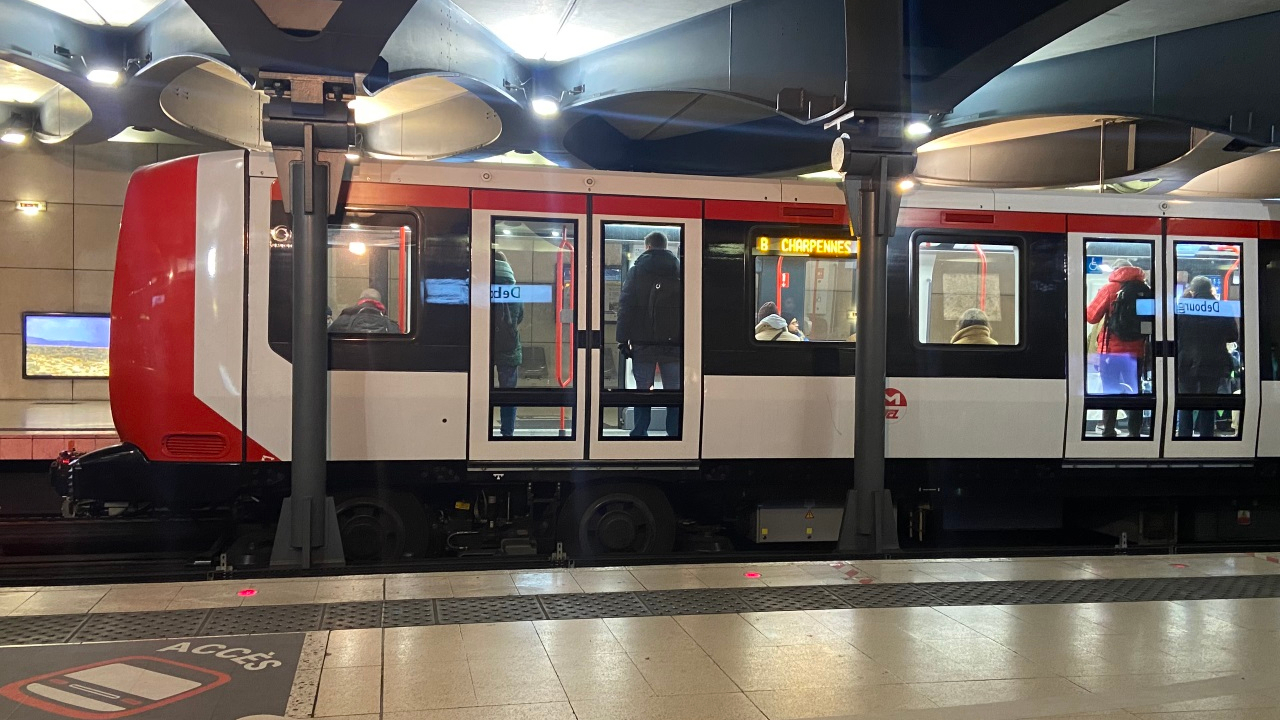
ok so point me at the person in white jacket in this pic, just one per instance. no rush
(770, 327)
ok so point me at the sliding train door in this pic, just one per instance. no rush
(646, 275)
(528, 300)
(1162, 358)
(1211, 292)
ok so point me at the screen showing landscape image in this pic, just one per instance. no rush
(65, 346)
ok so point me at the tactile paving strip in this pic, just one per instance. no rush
(39, 629)
(408, 613)
(513, 608)
(263, 619)
(140, 625)
(588, 605)
(803, 597)
(883, 596)
(692, 602)
(43, 629)
(352, 615)
(976, 593)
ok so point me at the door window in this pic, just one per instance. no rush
(642, 302)
(1208, 313)
(1119, 308)
(533, 327)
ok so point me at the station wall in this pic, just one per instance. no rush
(61, 260)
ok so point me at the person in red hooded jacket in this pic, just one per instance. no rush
(1121, 362)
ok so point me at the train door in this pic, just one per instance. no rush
(1116, 401)
(646, 329)
(528, 304)
(1163, 340)
(1211, 295)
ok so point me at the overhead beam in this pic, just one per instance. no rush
(1207, 77)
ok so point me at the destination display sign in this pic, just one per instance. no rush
(520, 293)
(806, 246)
(1207, 308)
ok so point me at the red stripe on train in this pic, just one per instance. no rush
(373, 193)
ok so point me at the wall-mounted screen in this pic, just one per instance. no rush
(65, 345)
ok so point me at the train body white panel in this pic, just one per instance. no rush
(747, 416)
(976, 418)
(397, 415)
(1269, 420)
(219, 283)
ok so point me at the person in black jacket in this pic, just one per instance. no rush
(650, 322)
(368, 315)
(1204, 360)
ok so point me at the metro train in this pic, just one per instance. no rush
(445, 442)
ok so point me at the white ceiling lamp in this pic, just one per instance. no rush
(918, 129)
(104, 76)
(16, 131)
(546, 107)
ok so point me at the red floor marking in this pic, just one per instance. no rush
(866, 581)
(1178, 565)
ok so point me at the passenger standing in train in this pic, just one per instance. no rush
(368, 315)
(1204, 360)
(651, 326)
(973, 328)
(508, 351)
(1122, 342)
(770, 326)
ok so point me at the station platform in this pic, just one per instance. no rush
(40, 429)
(1186, 637)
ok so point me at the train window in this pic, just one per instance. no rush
(369, 270)
(533, 328)
(968, 293)
(1119, 314)
(806, 288)
(643, 310)
(1207, 316)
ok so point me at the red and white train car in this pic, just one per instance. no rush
(1041, 430)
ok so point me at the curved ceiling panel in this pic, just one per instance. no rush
(426, 118)
(62, 113)
(213, 99)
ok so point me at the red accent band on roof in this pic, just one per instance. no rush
(983, 220)
(522, 201)
(1113, 224)
(641, 207)
(773, 212)
(370, 193)
(1203, 227)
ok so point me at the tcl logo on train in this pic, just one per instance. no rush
(894, 403)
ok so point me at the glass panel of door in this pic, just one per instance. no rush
(533, 326)
(1209, 367)
(1120, 340)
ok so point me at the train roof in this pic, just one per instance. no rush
(785, 190)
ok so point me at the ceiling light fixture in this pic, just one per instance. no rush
(357, 248)
(104, 76)
(918, 129)
(546, 107)
(906, 185)
(16, 131)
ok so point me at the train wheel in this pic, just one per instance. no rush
(380, 528)
(617, 519)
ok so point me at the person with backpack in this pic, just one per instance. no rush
(650, 326)
(1204, 359)
(368, 315)
(1122, 341)
(508, 351)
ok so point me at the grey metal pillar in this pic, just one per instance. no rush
(310, 128)
(870, 521)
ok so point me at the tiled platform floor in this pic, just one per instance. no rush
(1188, 660)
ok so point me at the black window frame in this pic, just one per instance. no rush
(919, 238)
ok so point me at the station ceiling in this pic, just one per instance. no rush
(665, 85)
